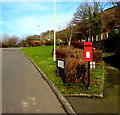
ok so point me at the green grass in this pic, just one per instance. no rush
(107, 54)
(42, 56)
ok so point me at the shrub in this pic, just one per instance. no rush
(79, 45)
(97, 55)
(75, 65)
(48, 43)
(69, 52)
(76, 68)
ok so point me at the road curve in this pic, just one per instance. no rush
(23, 88)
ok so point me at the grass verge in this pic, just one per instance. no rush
(42, 56)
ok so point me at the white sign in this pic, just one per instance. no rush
(61, 64)
(87, 54)
(92, 65)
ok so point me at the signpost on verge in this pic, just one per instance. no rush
(61, 69)
(88, 56)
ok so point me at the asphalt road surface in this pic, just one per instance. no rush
(0, 80)
(23, 88)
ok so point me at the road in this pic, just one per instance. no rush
(23, 88)
(0, 81)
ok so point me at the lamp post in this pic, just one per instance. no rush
(54, 30)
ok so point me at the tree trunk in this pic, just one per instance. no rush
(69, 43)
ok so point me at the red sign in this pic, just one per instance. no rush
(88, 53)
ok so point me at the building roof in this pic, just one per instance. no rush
(109, 11)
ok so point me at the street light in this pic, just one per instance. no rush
(54, 30)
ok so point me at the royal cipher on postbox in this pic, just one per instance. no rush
(88, 52)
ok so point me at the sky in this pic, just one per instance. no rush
(33, 18)
(30, 18)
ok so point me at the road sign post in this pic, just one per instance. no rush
(61, 69)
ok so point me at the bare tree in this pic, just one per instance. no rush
(83, 16)
(9, 41)
(88, 17)
(71, 28)
(13, 40)
(63, 33)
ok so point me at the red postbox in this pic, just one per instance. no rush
(88, 53)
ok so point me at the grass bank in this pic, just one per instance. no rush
(42, 56)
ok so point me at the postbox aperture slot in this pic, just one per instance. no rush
(87, 45)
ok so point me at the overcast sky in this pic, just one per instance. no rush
(23, 18)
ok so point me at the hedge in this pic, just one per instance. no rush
(76, 68)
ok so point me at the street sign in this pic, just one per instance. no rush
(88, 53)
(61, 63)
(61, 69)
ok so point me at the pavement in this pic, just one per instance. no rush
(108, 105)
(23, 88)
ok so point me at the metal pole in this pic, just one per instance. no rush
(54, 30)
(88, 75)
